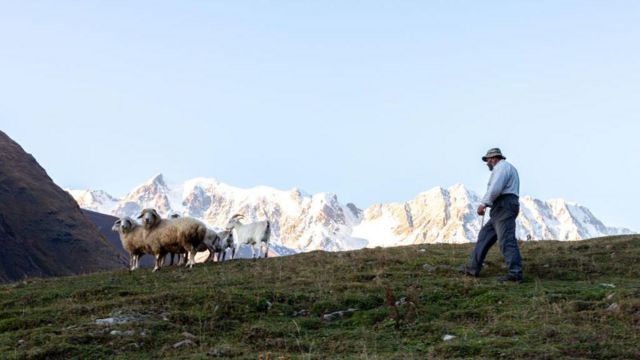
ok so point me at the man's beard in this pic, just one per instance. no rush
(490, 167)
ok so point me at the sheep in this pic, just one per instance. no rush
(206, 245)
(209, 244)
(221, 242)
(131, 236)
(181, 255)
(171, 235)
(251, 234)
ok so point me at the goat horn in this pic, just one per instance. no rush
(237, 216)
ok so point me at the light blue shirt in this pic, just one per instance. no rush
(504, 180)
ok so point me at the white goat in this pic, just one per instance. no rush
(250, 234)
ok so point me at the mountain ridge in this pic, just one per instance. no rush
(305, 222)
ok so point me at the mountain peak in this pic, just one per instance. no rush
(158, 180)
(459, 187)
(299, 192)
(438, 192)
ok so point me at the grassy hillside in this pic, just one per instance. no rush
(580, 299)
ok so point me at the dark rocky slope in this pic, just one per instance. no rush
(42, 230)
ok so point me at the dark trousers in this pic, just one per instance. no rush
(501, 228)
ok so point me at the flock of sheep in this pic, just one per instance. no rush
(186, 236)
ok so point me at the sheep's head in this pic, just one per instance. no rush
(226, 237)
(150, 217)
(123, 225)
(235, 220)
(116, 225)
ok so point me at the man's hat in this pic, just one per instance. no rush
(495, 152)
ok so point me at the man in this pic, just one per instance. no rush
(502, 197)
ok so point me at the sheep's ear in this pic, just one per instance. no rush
(140, 216)
(155, 213)
(116, 225)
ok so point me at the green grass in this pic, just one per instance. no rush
(243, 308)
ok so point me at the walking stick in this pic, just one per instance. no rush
(481, 225)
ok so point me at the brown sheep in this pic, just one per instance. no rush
(171, 235)
(131, 236)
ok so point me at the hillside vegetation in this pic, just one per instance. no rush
(579, 300)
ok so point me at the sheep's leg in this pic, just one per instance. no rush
(266, 247)
(192, 258)
(235, 251)
(212, 253)
(136, 261)
(158, 264)
(190, 255)
(184, 259)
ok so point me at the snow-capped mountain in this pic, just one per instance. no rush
(449, 216)
(304, 222)
(94, 200)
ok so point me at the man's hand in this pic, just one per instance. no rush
(481, 209)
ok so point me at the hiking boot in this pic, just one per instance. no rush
(510, 278)
(468, 271)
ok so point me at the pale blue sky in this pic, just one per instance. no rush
(375, 101)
